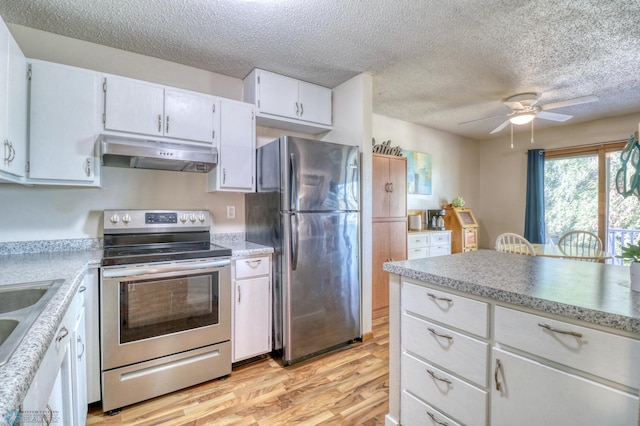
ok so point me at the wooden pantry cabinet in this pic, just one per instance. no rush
(389, 230)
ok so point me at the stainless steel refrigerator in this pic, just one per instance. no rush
(307, 208)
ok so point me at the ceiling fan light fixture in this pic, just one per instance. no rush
(522, 118)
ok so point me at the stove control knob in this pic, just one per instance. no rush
(183, 218)
(192, 218)
(126, 218)
(202, 218)
(114, 218)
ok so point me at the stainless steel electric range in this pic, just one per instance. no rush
(165, 298)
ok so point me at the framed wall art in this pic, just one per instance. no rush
(418, 172)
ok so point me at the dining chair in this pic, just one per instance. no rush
(580, 243)
(514, 243)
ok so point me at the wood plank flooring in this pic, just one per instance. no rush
(345, 387)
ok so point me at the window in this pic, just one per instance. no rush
(580, 193)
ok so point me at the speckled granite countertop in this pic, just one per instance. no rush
(16, 375)
(68, 260)
(591, 292)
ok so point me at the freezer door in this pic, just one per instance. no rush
(320, 283)
(322, 176)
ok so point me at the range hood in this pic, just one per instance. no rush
(119, 151)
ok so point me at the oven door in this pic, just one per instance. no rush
(153, 310)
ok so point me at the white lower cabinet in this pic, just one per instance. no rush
(543, 370)
(92, 340)
(532, 393)
(428, 244)
(442, 367)
(55, 394)
(251, 307)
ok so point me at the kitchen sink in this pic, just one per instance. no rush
(20, 305)
(14, 300)
(6, 328)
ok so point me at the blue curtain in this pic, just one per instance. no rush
(534, 215)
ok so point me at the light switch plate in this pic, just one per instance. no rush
(231, 212)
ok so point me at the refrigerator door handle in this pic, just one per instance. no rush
(354, 181)
(295, 225)
(295, 179)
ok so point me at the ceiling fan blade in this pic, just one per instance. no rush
(500, 127)
(553, 116)
(569, 102)
(481, 119)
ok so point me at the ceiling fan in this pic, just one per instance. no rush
(524, 109)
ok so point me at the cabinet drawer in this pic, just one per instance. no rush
(597, 352)
(252, 267)
(415, 412)
(417, 253)
(449, 394)
(456, 352)
(457, 311)
(414, 241)
(439, 250)
(439, 239)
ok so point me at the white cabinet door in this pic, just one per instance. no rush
(13, 106)
(189, 116)
(315, 103)
(134, 106)
(278, 94)
(65, 102)
(536, 394)
(79, 370)
(92, 340)
(236, 154)
(251, 318)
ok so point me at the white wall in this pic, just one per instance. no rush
(454, 161)
(503, 171)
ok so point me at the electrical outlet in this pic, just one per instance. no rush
(231, 212)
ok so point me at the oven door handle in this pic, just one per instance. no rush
(160, 269)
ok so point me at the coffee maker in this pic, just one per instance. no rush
(435, 219)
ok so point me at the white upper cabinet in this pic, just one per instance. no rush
(143, 108)
(64, 126)
(235, 170)
(13, 108)
(286, 103)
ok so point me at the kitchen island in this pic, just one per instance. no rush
(494, 338)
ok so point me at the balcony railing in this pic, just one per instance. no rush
(618, 238)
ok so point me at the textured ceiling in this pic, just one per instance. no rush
(433, 62)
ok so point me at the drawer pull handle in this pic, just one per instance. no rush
(445, 336)
(555, 330)
(432, 374)
(254, 262)
(444, 299)
(495, 375)
(433, 417)
(62, 334)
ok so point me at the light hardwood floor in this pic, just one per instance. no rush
(345, 387)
